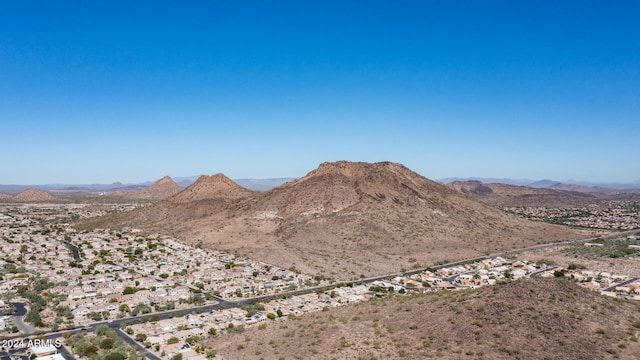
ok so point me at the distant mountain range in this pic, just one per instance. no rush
(252, 184)
(266, 184)
(546, 183)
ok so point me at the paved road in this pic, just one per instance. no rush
(74, 250)
(226, 304)
(612, 288)
(536, 273)
(66, 353)
(137, 345)
(18, 315)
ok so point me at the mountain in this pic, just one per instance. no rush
(525, 319)
(557, 196)
(262, 184)
(185, 181)
(543, 184)
(471, 187)
(341, 220)
(583, 186)
(5, 197)
(521, 182)
(33, 195)
(182, 182)
(161, 189)
(513, 195)
(251, 184)
(210, 187)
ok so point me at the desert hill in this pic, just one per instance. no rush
(210, 187)
(342, 220)
(526, 319)
(33, 195)
(5, 197)
(514, 195)
(161, 189)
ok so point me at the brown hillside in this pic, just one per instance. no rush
(211, 187)
(527, 319)
(472, 187)
(159, 190)
(33, 195)
(5, 197)
(513, 195)
(341, 220)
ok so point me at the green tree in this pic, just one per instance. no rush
(90, 351)
(114, 356)
(106, 343)
(102, 330)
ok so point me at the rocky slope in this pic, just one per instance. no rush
(513, 195)
(527, 319)
(159, 190)
(342, 220)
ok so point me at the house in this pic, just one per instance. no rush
(43, 351)
(51, 357)
(464, 279)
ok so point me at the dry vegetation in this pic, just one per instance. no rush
(524, 196)
(527, 319)
(342, 220)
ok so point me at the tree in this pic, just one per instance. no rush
(172, 340)
(114, 356)
(191, 340)
(90, 350)
(101, 330)
(106, 343)
(177, 356)
(279, 313)
(124, 308)
(251, 310)
(213, 331)
(95, 316)
(129, 290)
(141, 337)
(271, 316)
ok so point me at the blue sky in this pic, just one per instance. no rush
(97, 92)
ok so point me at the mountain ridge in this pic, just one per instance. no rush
(342, 219)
